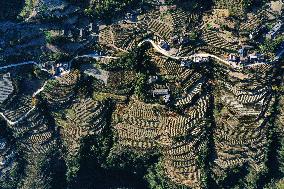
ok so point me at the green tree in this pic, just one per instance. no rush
(10, 9)
(157, 179)
(108, 9)
(140, 86)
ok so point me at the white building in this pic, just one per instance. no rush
(166, 98)
(199, 59)
(152, 79)
(185, 63)
(160, 92)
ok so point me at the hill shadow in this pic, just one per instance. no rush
(9, 10)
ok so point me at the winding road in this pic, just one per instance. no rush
(92, 55)
(18, 64)
(192, 57)
(96, 56)
(200, 55)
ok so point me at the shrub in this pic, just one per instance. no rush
(140, 86)
(108, 9)
(29, 4)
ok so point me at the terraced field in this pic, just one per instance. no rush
(164, 104)
(85, 117)
(61, 90)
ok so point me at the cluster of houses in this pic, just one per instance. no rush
(55, 69)
(70, 31)
(195, 59)
(244, 57)
(180, 40)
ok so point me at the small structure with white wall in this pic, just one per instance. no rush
(152, 79)
(157, 92)
(166, 98)
(162, 92)
(200, 59)
(185, 63)
(164, 45)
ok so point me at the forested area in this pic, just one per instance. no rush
(10, 9)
